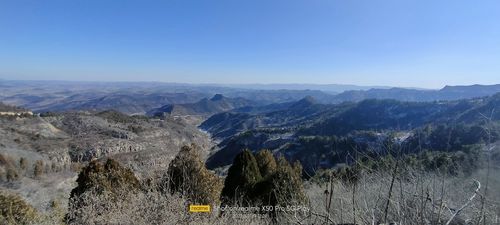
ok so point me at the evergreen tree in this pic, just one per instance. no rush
(287, 183)
(266, 162)
(263, 180)
(241, 178)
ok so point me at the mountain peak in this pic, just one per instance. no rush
(305, 102)
(217, 97)
(309, 100)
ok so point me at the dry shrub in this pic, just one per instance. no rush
(188, 176)
(14, 210)
(38, 169)
(11, 174)
(110, 177)
(23, 163)
(103, 196)
(93, 202)
(145, 208)
(5, 160)
(8, 170)
(75, 167)
(110, 180)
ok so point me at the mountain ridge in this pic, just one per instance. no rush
(204, 107)
(281, 129)
(404, 94)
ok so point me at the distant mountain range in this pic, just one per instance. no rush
(129, 103)
(130, 97)
(150, 97)
(204, 107)
(329, 88)
(446, 93)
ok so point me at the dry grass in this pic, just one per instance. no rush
(417, 199)
(146, 208)
(421, 198)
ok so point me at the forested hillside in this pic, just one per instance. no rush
(340, 130)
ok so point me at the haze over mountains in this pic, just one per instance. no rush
(446, 93)
(148, 98)
(204, 107)
(329, 88)
(129, 98)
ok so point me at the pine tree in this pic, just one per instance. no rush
(287, 183)
(263, 180)
(241, 178)
(266, 162)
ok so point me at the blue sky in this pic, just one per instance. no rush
(419, 43)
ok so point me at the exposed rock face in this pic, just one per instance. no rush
(79, 137)
(43, 154)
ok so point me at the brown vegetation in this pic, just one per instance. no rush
(14, 210)
(188, 176)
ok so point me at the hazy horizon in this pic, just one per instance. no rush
(425, 44)
(256, 84)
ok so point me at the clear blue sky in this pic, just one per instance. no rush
(423, 43)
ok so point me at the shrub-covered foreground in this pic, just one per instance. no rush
(263, 181)
(109, 193)
(14, 210)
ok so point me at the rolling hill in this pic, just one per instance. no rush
(349, 126)
(205, 107)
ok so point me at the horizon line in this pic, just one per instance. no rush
(239, 84)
